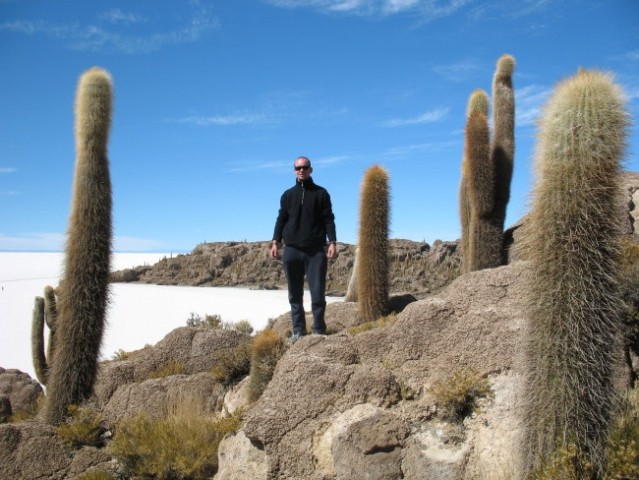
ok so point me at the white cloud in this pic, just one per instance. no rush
(428, 9)
(115, 15)
(457, 71)
(420, 148)
(528, 103)
(7, 170)
(9, 193)
(224, 120)
(427, 117)
(93, 37)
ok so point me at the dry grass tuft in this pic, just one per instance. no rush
(457, 396)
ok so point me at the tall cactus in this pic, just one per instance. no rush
(503, 143)
(373, 258)
(44, 311)
(487, 172)
(83, 294)
(574, 299)
(481, 238)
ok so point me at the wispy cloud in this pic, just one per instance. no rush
(223, 120)
(457, 71)
(119, 35)
(9, 193)
(7, 170)
(528, 103)
(405, 150)
(427, 117)
(427, 9)
(283, 164)
(117, 16)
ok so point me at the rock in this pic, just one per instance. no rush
(21, 391)
(32, 451)
(157, 397)
(239, 459)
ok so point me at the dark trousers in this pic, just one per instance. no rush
(312, 263)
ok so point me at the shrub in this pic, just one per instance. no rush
(82, 427)
(95, 475)
(232, 364)
(266, 349)
(172, 367)
(457, 396)
(366, 326)
(183, 445)
(120, 355)
(244, 326)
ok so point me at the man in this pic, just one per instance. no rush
(304, 221)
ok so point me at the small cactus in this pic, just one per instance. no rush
(373, 259)
(44, 311)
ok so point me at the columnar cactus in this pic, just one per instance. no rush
(487, 172)
(481, 238)
(44, 311)
(351, 289)
(37, 341)
(373, 259)
(503, 143)
(574, 300)
(83, 294)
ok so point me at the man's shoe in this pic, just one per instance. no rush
(295, 337)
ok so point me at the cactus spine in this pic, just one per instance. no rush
(373, 259)
(574, 299)
(44, 310)
(83, 295)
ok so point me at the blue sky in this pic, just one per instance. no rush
(213, 100)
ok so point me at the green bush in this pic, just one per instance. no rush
(183, 445)
(457, 395)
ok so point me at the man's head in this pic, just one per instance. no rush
(302, 168)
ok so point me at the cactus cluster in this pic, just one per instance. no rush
(83, 294)
(574, 299)
(372, 274)
(487, 172)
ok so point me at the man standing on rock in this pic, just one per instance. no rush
(304, 222)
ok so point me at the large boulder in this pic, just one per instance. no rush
(345, 406)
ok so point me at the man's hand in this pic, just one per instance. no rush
(274, 250)
(332, 251)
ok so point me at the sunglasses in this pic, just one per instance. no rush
(302, 167)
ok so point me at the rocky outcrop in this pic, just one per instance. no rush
(415, 267)
(341, 406)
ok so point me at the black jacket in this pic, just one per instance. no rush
(306, 216)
